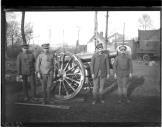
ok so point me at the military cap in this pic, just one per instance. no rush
(45, 46)
(123, 48)
(99, 46)
(25, 46)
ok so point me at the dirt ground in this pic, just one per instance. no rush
(143, 110)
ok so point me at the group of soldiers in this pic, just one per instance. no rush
(42, 67)
(28, 67)
(122, 71)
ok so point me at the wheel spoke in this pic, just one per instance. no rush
(73, 80)
(62, 61)
(72, 68)
(70, 74)
(56, 80)
(56, 67)
(70, 85)
(60, 88)
(67, 93)
(57, 63)
(67, 64)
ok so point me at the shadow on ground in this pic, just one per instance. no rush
(134, 82)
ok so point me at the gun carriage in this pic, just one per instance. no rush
(73, 74)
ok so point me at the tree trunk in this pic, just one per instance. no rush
(123, 33)
(22, 27)
(4, 39)
(5, 31)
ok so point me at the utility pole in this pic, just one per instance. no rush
(63, 38)
(63, 41)
(123, 33)
(49, 34)
(106, 32)
(78, 34)
(95, 28)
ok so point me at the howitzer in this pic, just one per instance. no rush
(73, 74)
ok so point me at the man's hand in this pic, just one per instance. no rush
(93, 76)
(115, 76)
(108, 76)
(38, 75)
(130, 75)
(19, 78)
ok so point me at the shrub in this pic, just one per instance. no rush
(13, 51)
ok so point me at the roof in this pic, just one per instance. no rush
(98, 37)
(118, 39)
(149, 34)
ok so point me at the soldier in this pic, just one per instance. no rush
(122, 71)
(26, 69)
(45, 71)
(100, 70)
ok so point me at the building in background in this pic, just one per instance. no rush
(100, 39)
(113, 41)
(80, 48)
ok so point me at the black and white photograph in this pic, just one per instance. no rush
(81, 68)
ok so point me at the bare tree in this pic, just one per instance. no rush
(28, 32)
(22, 27)
(145, 22)
(12, 32)
(10, 16)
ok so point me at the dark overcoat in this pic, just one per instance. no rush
(25, 63)
(100, 62)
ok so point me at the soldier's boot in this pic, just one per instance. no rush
(25, 89)
(120, 100)
(26, 97)
(33, 89)
(101, 99)
(95, 98)
(126, 98)
(45, 101)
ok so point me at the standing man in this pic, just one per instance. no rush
(123, 71)
(100, 70)
(45, 71)
(26, 69)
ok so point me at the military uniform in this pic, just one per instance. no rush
(122, 68)
(26, 68)
(45, 66)
(100, 69)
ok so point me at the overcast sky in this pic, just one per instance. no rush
(58, 27)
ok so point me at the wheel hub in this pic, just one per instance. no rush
(62, 73)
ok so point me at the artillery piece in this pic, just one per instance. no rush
(73, 74)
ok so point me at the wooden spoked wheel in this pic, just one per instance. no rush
(146, 57)
(69, 76)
